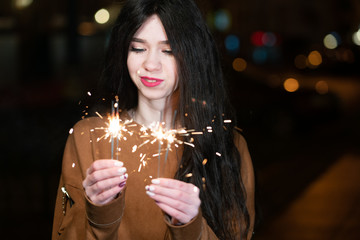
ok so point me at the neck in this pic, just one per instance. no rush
(150, 111)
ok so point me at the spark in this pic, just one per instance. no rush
(89, 93)
(188, 175)
(142, 162)
(71, 130)
(143, 143)
(99, 115)
(134, 148)
(227, 121)
(190, 144)
(219, 154)
(196, 133)
(116, 128)
(204, 161)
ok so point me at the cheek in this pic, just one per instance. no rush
(132, 65)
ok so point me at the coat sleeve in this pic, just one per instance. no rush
(75, 216)
(196, 229)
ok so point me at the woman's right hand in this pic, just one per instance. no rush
(105, 179)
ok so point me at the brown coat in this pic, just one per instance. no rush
(132, 215)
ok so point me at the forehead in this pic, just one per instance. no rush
(151, 30)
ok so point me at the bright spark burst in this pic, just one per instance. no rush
(116, 129)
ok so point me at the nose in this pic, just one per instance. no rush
(152, 62)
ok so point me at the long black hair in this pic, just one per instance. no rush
(203, 105)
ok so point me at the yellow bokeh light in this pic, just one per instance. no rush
(300, 61)
(315, 58)
(239, 64)
(20, 4)
(291, 85)
(322, 87)
(102, 16)
(330, 41)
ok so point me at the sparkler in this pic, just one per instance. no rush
(116, 128)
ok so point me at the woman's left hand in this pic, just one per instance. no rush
(178, 199)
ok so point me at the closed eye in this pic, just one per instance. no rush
(137, 50)
(168, 51)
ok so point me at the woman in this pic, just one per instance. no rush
(161, 59)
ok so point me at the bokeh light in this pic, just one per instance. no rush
(239, 64)
(20, 4)
(102, 16)
(222, 20)
(260, 38)
(356, 37)
(322, 87)
(232, 43)
(257, 38)
(331, 41)
(314, 59)
(291, 85)
(269, 39)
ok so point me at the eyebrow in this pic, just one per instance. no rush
(139, 40)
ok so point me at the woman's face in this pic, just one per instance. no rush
(151, 64)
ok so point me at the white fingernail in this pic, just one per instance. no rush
(155, 181)
(151, 194)
(122, 170)
(149, 188)
(118, 164)
(125, 176)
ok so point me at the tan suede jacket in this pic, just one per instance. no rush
(132, 215)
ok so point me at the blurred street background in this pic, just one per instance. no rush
(292, 70)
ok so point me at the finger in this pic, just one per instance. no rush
(107, 195)
(174, 213)
(104, 185)
(176, 184)
(103, 164)
(173, 202)
(175, 194)
(103, 174)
